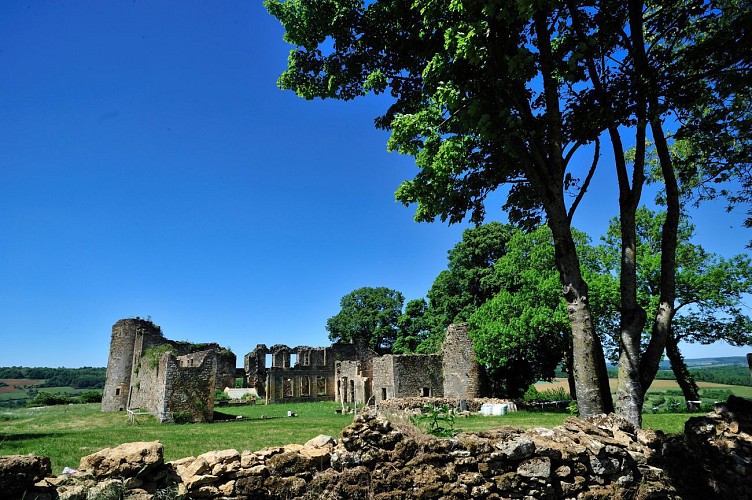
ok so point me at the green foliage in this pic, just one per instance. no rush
(182, 417)
(533, 395)
(413, 326)
(368, 314)
(49, 399)
(79, 378)
(709, 288)
(435, 420)
(521, 333)
(153, 353)
(90, 397)
(220, 395)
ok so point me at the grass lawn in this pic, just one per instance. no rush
(66, 433)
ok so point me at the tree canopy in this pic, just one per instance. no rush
(504, 93)
(368, 314)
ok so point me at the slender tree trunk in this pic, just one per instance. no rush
(685, 379)
(590, 373)
(629, 393)
(662, 324)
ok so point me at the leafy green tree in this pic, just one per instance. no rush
(413, 327)
(503, 93)
(484, 96)
(521, 334)
(458, 291)
(370, 315)
(709, 291)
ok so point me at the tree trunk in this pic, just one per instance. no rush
(685, 379)
(590, 373)
(664, 315)
(569, 365)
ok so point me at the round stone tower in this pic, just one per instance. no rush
(120, 364)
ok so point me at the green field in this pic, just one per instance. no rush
(68, 432)
(663, 392)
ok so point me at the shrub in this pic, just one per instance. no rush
(435, 420)
(90, 397)
(48, 399)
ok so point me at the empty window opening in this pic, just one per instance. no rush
(117, 393)
(293, 359)
(305, 358)
(383, 393)
(426, 392)
(352, 390)
(287, 388)
(305, 386)
(321, 386)
(268, 361)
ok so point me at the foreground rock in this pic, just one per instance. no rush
(18, 473)
(601, 457)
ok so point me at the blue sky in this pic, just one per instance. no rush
(149, 166)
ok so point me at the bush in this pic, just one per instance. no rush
(182, 417)
(48, 399)
(220, 396)
(435, 420)
(90, 397)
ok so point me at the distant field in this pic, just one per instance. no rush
(16, 389)
(661, 387)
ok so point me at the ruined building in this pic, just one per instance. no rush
(303, 373)
(170, 379)
(351, 373)
(146, 371)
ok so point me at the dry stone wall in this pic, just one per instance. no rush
(600, 457)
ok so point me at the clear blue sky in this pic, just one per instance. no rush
(149, 166)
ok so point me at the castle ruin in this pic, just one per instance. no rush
(150, 373)
(146, 371)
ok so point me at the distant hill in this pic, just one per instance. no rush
(699, 363)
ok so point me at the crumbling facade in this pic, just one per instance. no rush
(284, 374)
(171, 379)
(148, 372)
(453, 373)
(353, 373)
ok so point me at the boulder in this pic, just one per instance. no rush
(126, 460)
(18, 473)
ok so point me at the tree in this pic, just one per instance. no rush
(709, 290)
(370, 315)
(504, 93)
(522, 333)
(468, 107)
(458, 291)
(413, 327)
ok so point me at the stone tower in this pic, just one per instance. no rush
(129, 338)
(460, 367)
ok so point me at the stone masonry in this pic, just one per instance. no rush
(148, 372)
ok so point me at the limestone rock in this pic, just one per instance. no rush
(126, 460)
(19, 473)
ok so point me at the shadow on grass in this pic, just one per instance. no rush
(26, 437)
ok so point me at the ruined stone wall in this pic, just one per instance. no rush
(190, 384)
(352, 384)
(147, 392)
(459, 364)
(383, 378)
(599, 457)
(418, 376)
(302, 373)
